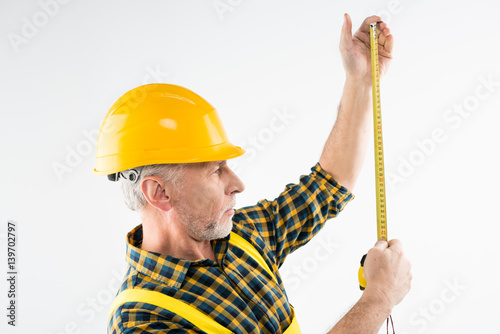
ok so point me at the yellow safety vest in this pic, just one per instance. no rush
(189, 312)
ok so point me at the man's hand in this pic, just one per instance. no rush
(355, 49)
(388, 277)
(387, 273)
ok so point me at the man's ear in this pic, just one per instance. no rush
(157, 192)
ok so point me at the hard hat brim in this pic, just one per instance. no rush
(222, 151)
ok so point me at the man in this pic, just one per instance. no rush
(199, 266)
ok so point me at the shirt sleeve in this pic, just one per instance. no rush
(297, 214)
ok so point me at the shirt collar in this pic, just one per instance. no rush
(165, 268)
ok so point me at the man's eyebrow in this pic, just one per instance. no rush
(213, 164)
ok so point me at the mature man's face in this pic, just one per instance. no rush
(204, 204)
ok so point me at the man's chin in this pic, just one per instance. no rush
(227, 229)
(218, 230)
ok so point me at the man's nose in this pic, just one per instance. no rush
(235, 185)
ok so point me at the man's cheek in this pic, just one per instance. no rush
(201, 198)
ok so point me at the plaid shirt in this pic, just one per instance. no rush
(234, 290)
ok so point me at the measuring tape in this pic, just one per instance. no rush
(378, 142)
(379, 155)
(379, 149)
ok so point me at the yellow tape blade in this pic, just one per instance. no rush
(378, 142)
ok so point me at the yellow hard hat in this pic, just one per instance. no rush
(160, 124)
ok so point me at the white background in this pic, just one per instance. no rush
(63, 67)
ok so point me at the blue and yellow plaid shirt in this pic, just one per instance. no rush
(234, 290)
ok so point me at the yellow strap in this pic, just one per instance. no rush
(186, 311)
(250, 250)
(189, 312)
(294, 327)
(254, 253)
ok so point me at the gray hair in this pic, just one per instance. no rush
(134, 198)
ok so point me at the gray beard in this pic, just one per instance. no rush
(211, 231)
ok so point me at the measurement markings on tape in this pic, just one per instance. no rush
(378, 142)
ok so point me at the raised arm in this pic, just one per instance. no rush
(345, 149)
(386, 270)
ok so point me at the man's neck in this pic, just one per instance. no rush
(168, 238)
